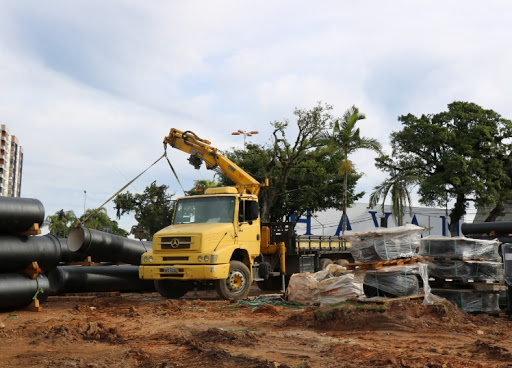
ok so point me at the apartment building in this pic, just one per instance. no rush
(11, 164)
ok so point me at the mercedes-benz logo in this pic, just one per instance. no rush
(175, 243)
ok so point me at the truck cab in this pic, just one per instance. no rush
(213, 237)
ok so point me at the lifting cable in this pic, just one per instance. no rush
(130, 182)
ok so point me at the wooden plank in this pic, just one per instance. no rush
(391, 300)
(380, 264)
(32, 271)
(33, 230)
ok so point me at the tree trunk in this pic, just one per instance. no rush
(458, 210)
(345, 180)
(497, 211)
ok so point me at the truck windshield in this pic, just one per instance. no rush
(204, 210)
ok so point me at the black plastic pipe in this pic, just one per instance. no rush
(80, 279)
(103, 246)
(17, 290)
(501, 227)
(17, 252)
(19, 214)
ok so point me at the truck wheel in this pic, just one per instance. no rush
(238, 283)
(169, 289)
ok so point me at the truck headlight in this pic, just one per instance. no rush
(150, 259)
(214, 258)
(206, 258)
(200, 258)
(146, 259)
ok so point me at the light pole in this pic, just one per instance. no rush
(85, 199)
(245, 134)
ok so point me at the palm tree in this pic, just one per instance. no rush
(346, 138)
(398, 186)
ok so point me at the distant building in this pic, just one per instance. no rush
(11, 164)
(362, 218)
(483, 212)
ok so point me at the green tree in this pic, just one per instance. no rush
(302, 170)
(397, 186)
(201, 185)
(98, 220)
(346, 138)
(61, 223)
(153, 208)
(460, 154)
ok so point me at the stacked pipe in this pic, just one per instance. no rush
(101, 247)
(21, 280)
(17, 252)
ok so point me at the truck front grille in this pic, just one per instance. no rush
(168, 259)
(175, 242)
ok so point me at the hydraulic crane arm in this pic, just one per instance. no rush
(200, 150)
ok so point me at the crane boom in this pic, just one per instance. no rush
(201, 150)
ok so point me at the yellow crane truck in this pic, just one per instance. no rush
(217, 237)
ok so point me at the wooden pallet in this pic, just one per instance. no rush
(33, 230)
(468, 284)
(34, 307)
(380, 264)
(392, 300)
(32, 271)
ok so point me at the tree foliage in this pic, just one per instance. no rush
(98, 220)
(301, 166)
(397, 186)
(201, 185)
(346, 139)
(460, 153)
(153, 208)
(61, 223)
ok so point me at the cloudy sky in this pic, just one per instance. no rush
(91, 88)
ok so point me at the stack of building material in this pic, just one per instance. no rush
(388, 258)
(105, 275)
(466, 271)
(385, 244)
(34, 266)
(21, 253)
(333, 285)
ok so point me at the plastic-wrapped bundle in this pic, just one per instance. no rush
(386, 243)
(332, 285)
(391, 284)
(459, 248)
(464, 270)
(472, 300)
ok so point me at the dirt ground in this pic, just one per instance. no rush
(145, 330)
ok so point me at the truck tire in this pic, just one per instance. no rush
(238, 283)
(170, 289)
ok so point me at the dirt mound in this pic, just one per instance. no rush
(268, 309)
(222, 336)
(402, 316)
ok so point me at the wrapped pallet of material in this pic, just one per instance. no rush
(460, 248)
(399, 281)
(472, 301)
(466, 270)
(386, 243)
(392, 284)
(332, 285)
